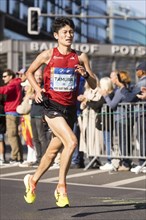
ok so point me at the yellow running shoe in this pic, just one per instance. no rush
(61, 199)
(30, 195)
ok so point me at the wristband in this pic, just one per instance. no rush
(86, 76)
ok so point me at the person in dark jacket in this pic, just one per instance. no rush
(78, 156)
(2, 130)
(135, 96)
(39, 127)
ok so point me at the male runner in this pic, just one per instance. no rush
(64, 66)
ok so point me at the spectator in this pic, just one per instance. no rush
(78, 156)
(104, 123)
(143, 93)
(121, 80)
(2, 131)
(136, 90)
(38, 123)
(13, 92)
(91, 139)
(25, 106)
(24, 110)
(21, 74)
(141, 121)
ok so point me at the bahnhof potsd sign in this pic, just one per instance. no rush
(103, 58)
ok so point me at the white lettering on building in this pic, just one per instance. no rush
(128, 50)
(35, 46)
(85, 48)
(142, 50)
(43, 47)
(95, 49)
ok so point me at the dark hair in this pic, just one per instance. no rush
(10, 73)
(60, 22)
(124, 77)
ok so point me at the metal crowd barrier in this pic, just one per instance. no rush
(122, 134)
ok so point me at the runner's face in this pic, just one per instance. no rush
(65, 35)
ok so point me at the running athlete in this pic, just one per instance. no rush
(64, 66)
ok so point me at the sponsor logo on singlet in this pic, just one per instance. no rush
(63, 79)
(72, 58)
(57, 57)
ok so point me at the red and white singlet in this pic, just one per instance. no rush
(61, 82)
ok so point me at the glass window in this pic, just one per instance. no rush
(134, 32)
(14, 8)
(13, 35)
(23, 12)
(3, 6)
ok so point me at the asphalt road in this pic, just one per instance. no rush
(93, 194)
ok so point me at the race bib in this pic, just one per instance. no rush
(63, 79)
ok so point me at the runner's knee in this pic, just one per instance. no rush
(73, 144)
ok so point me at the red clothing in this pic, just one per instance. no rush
(61, 82)
(13, 93)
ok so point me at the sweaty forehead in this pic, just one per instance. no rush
(66, 28)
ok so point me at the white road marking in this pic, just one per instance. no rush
(102, 186)
(16, 173)
(68, 176)
(73, 175)
(8, 166)
(116, 185)
(82, 184)
(126, 181)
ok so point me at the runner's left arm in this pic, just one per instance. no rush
(85, 70)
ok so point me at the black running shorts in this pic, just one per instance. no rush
(53, 109)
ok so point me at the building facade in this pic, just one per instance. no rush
(126, 31)
(13, 16)
(104, 58)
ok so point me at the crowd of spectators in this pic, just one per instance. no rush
(21, 119)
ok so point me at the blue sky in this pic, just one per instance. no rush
(139, 5)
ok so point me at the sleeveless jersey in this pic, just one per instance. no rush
(61, 82)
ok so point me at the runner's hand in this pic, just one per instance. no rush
(81, 70)
(38, 96)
